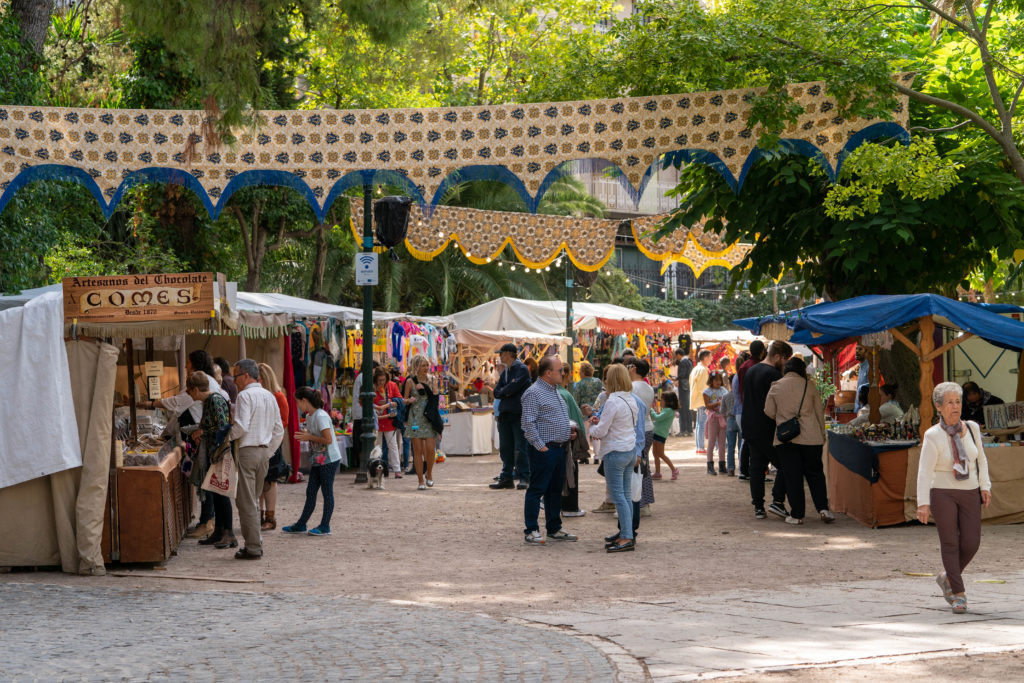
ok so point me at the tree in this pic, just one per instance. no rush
(966, 66)
(18, 84)
(266, 217)
(709, 314)
(33, 17)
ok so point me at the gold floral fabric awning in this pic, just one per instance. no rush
(323, 153)
(539, 239)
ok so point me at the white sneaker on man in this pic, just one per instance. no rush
(535, 538)
(577, 513)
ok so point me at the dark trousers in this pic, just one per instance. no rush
(221, 510)
(513, 447)
(547, 477)
(571, 500)
(321, 478)
(206, 508)
(357, 444)
(762, 454)
(798, 462)
(957, 516)
(685, 417)
(745, 459)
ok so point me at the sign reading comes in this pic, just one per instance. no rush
(127, 298)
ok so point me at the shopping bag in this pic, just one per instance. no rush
(636, 485)
(222, 477)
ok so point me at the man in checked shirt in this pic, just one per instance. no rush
(548, 431)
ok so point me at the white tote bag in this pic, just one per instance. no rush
(636, 485)
(222, 477)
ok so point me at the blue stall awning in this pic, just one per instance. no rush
(825, 323)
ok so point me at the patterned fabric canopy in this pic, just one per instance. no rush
(539, 239)
(323, 153)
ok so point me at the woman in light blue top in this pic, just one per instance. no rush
(323, 461)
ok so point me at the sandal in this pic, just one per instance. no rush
(959, 605)
(675, 474)
(947, 591)
(656, 475)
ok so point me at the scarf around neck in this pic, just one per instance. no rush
(960, 461)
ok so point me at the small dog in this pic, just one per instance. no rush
(376, 469)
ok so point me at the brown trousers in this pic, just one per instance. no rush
(957, 514)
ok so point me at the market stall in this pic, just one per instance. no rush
(873, 477)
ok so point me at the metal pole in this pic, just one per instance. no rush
(366, 391)
(568, 315)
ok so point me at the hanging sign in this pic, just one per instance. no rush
(366, 269)
(136, 298)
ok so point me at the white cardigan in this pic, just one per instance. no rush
(617, 427)
(936, 467)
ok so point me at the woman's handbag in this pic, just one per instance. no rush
(790, 429)
(636, 487)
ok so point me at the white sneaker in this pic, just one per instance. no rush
(535, 538)
(827, 516)
(578, 513)
(793, 520)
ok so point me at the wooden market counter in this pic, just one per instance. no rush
(147, 513)
(866, 483)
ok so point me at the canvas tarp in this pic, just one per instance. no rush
(548, 317)
(483, 343)
(58, 519)
(39, 434)
(829, 322)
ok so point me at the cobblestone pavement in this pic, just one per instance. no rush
(53, 632)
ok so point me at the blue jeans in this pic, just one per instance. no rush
(405, 451)
(512, 446)
(733, 441)
(321, 477)
(702, 422)
(618, 475)
(547, 477)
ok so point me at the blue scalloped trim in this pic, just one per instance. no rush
(397, 179)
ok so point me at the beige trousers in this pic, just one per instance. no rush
(252, 471)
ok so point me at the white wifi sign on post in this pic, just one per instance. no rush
(366, 269)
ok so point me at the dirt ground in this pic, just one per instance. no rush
(460, 545)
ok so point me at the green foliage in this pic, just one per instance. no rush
(710, 314)
(85, 50)
(613, 287)
(916, 171)
(158, 80)
(17, 84)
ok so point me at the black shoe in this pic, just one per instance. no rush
(522, 487)
(778, 509)
(721, 467)
(213, 539)
(711, 469)
(624, 548)
(743, 477)
(502, 484)
(611, 539)
(759, 513)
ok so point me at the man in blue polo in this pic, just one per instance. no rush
(548, 430)
(513, 381)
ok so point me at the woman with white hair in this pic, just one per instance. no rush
(952, 486)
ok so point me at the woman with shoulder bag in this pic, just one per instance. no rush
(213, 430)
(616, 430)
(795, 405)
(421, 426)
(953, 486)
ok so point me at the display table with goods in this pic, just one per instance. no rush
(867, 471)
(469, 432)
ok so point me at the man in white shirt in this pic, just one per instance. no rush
(698, 383)
(257, 429)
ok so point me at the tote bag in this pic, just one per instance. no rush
(222, 477)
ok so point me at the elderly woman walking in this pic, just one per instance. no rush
(952, 486)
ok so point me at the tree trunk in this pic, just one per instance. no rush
(34, 19)
(316, 286)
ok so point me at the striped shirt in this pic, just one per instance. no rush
(545, 415)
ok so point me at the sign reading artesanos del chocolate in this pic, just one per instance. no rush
(128, 298)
